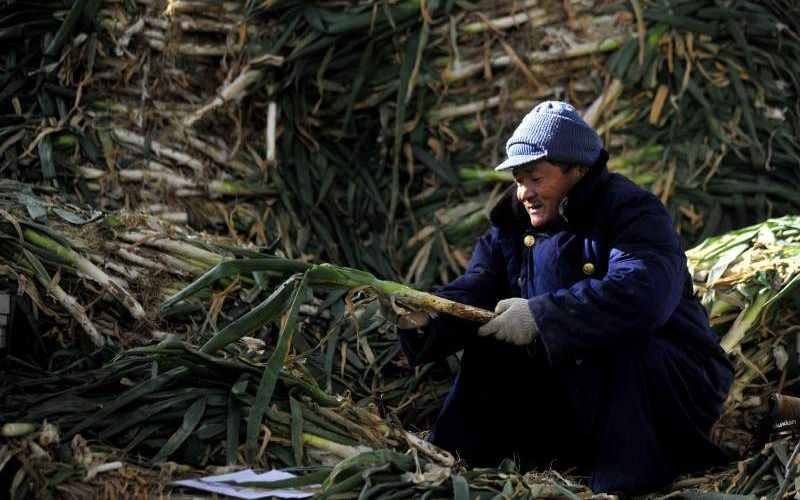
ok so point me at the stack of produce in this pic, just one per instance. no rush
(748, 282)
(45, 466)
(346, 126)
(360, 132)
(97, 281)
(708, 92)
(304, 390)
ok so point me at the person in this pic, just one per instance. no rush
(599, 356)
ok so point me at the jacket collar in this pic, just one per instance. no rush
(509, 214)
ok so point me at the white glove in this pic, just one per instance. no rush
(513, 322)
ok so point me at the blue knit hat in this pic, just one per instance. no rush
(555, 131)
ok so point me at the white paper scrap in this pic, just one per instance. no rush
(214, 484)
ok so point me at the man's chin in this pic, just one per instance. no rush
(540, 222)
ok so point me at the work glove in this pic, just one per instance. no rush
(403, 317)
(513, 322)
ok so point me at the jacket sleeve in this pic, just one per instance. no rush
(481, 286)
(640, 291)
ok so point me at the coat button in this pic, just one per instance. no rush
(529, 240)
(588, 269)
(519, 281)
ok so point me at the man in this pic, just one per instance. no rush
(600, 356)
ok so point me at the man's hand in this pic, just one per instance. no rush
(513, 322)
(404, 318)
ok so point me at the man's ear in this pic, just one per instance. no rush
(578, 172)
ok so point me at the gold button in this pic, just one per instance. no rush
(588, 269)
(529, 240)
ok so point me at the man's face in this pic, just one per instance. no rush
(541, 187)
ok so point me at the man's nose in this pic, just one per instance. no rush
(528, 191)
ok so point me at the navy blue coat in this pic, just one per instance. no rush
(625, 379)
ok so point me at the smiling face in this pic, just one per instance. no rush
(541, 187)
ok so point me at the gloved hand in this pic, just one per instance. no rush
(404, 318)
(513, 322)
